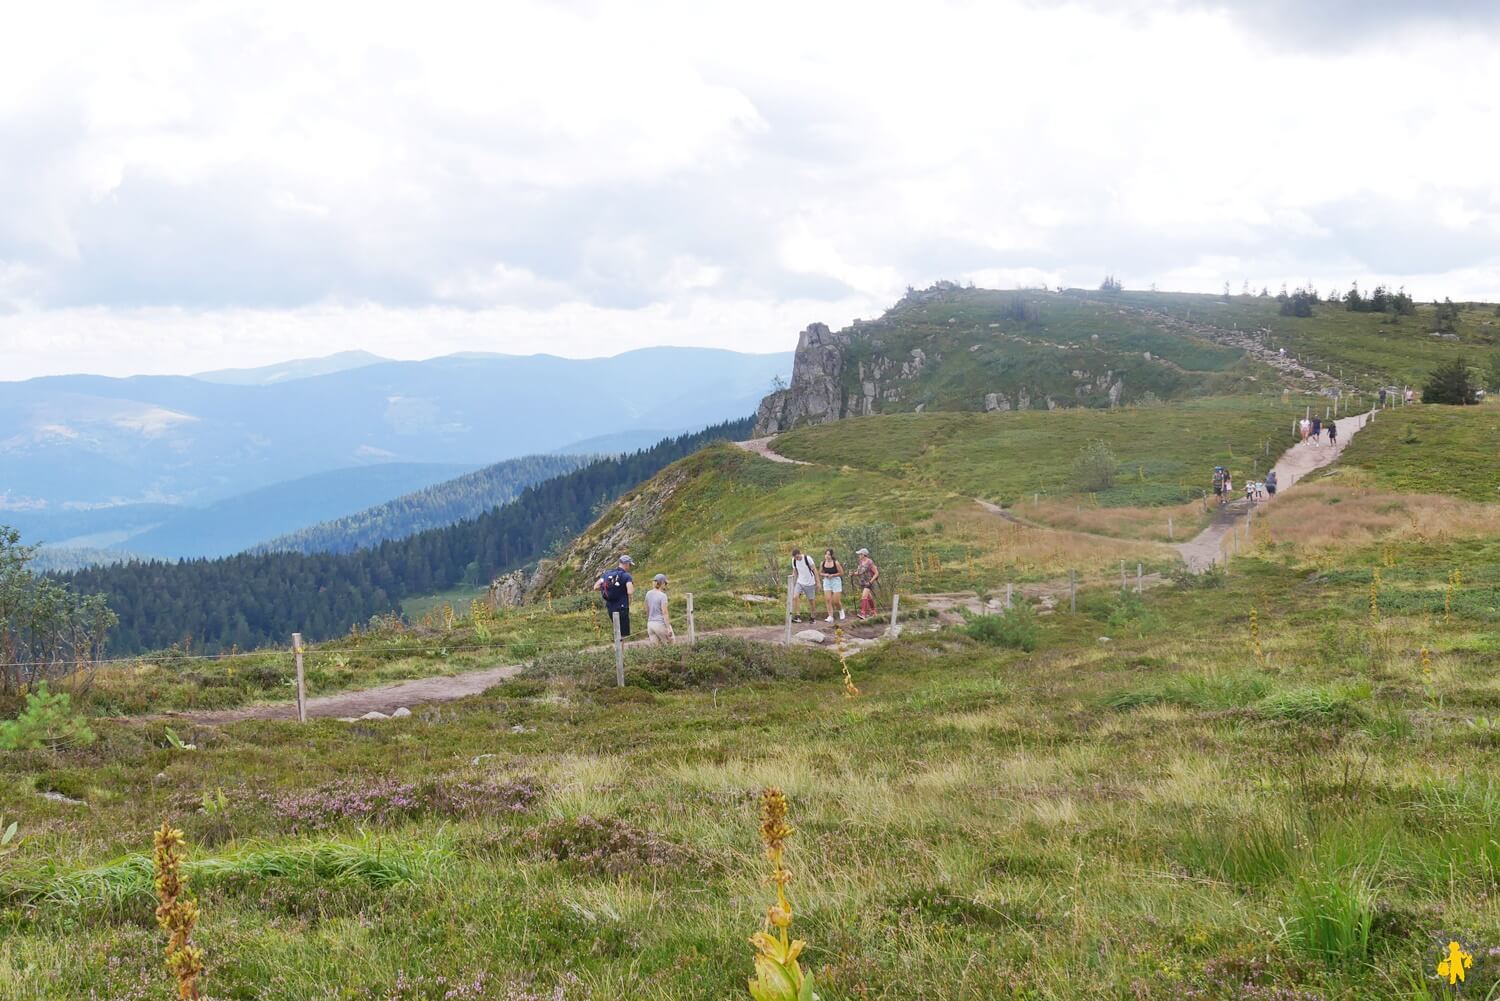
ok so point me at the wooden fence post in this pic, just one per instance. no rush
(1170, 536)
(1137, 578)
(791, 593)
(301, 680)
(619, 651)
(895, 610)
(1009, 594)
(692, 628)
(1122, 576)
(1072, 590)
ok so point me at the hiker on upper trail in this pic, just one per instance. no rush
(805, 586)
(1333, 433)
(1271, 483)
(868, 573)
(1221, 488)
(616, 586)
(1305, 426)
(1317, 430)
(658, 623)
(832, 572)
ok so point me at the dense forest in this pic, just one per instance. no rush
(257, 599)
(445, 503)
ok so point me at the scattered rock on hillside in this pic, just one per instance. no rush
(755, 598)
(58, 797)
(401, 713)
(810, 636)
(373, 715)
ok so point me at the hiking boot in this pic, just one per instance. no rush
(795, 619)
(829, 619)
(841, 615)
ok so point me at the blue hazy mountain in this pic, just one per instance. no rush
(91, 442)
(286, 371)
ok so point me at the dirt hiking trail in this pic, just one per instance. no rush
(1201, 553)
(1205, 549)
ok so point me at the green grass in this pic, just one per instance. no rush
(1166, 454)
(1433, 449)
(1139, 818)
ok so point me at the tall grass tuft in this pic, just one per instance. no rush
(778, 975)
(177, 913)
(1375, 595)
(1332, 914)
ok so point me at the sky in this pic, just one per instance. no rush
(191, 187)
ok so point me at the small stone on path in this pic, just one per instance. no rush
(401, 713)
(810, 636)
(373, 715)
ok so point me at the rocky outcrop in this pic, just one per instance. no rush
(509, 590)
(816, 394)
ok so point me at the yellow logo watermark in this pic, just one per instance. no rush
(1455, 964)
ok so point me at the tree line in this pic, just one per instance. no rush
(260, 599)
(442, 504)
(47, 629)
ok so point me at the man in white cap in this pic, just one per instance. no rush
(616, 586)
(658, 622)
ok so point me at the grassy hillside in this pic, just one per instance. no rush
(962, 349)
(905, 486)
(1366, 348)
(1433, 449)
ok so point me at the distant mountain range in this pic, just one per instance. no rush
(286, 371)
(99, 460)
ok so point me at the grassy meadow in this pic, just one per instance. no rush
(1165, 813)
(1274, 783)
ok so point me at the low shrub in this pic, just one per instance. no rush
(1017, 628)
(603, 846)
(381, 800)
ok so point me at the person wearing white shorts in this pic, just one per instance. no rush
(832, 574)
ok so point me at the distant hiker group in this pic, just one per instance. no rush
(616, 587)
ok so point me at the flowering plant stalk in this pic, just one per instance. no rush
(177, 913)
(778, 975)
(849, 688)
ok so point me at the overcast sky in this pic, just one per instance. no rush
(185, 187)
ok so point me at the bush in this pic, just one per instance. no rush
(1017, 628)
(1094, 469)
(47, 721)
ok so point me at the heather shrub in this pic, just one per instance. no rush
(384, 799)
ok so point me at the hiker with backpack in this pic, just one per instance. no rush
(1271, 483)
(616, 586)
(805, 586)
(1333, 434)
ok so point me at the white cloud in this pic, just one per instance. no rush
(335, 173)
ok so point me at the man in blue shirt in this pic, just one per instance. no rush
(616, 586)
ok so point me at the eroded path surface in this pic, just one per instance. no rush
(762, 448)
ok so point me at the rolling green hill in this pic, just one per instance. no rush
(1433, 449)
